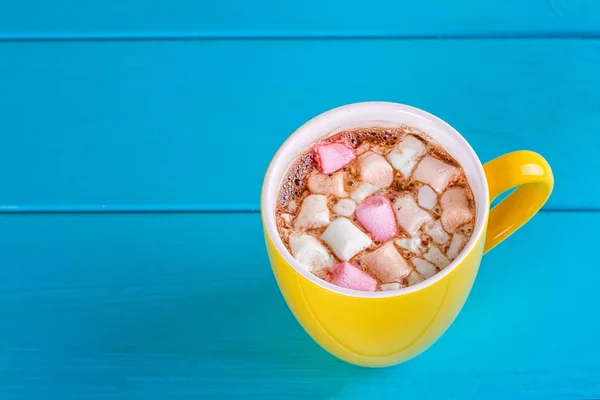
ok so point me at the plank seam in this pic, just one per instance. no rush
(174, 209)
(108, 37)
(128, 208)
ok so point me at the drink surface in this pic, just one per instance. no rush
(375, 208)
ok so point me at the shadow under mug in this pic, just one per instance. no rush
(377, 329)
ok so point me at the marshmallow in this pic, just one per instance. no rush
(425, 268)
(364, 191)
(437, 233)
(292, 205)
(435, 256)
(378, 149)
(313, 213)
(287, 218)
(345, 207)
(345, 239)
(309, 252)
(413, 244)
(435, 173)
(375, 214)
(284, 233)
(375, 170)
(325, 184)
(363, 148)
(390, 286)
(387, 264)
(455, 209)
(410, 216)
(406, 155)
(456, 245)
(453, 218)
(331, 157)
(348, 276)
(426, 197)
(414, 278)
(454, 197)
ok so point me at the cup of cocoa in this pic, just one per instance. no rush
(376, 216)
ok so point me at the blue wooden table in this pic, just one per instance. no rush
(126, 126)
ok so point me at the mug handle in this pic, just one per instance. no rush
(531, 174)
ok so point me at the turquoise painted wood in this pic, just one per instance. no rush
(140, 117)
(193, 124)
(160, 307)
(117, 18)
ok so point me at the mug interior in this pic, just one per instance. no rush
(369, 114)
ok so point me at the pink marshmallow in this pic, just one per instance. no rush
(331, 157)
(348, 276)
(375, 214)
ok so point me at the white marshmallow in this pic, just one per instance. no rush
(427, 197)
(325, 184)
(375, 170)
(313, 213)
(387, 264)
(287, 218)
(456, 245)
(285, 233)
(378, 149)
(409, 215)
(425, 268)
(454, 197)
(364, 191)
(455, 209)
(455, 217)
(391, 286)
(435, 256)
(292, 205)
(414, 278)
(406, 155)
(363, 148)
(437, 233)
(345, 207)
(345, 239)
(309, 252)
(435, 173)
(413, 245)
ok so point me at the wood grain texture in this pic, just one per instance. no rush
(153, 124)
(159, 306)
(240, 18)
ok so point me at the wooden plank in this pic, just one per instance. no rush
(62, 18)
(159, 306)
(192, 123)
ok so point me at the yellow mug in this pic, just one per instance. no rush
(377, 329)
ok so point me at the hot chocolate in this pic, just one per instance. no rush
(375, 208)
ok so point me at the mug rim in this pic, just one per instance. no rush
(481, 194)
